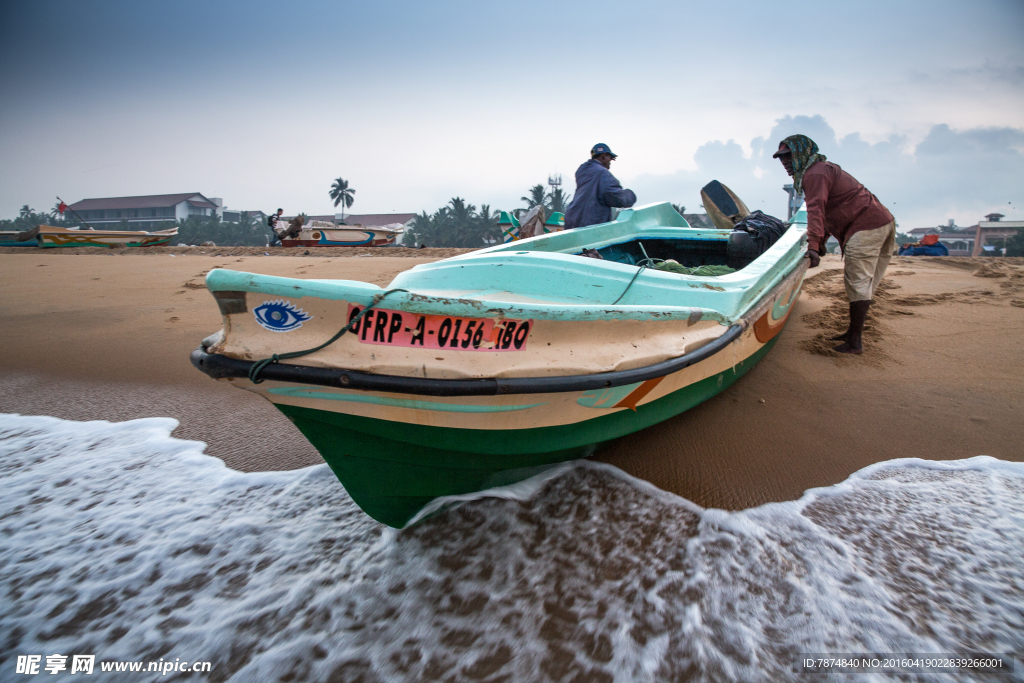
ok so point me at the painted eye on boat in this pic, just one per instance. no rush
(280, 316)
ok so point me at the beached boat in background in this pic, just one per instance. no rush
(50, 236)
(12, 238)
(484, 369)
(323, 234)
(509, 225)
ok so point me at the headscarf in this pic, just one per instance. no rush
(805, 153)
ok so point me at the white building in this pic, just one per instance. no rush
(147, 212)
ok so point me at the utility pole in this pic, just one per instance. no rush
(796, 199)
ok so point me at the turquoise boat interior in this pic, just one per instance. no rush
(546, 277)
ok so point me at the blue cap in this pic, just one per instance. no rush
(601, 148)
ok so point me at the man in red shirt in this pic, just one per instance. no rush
(839, 205)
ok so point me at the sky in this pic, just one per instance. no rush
(264, 104)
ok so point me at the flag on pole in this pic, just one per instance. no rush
(61, 208)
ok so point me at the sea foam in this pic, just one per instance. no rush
(120, 541)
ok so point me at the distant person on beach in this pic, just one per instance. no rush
(840, 206)
(275, 240)
(597, 191)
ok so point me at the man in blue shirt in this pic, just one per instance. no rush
(597, 191)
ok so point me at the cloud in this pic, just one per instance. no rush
(976, 142)
(959, 174)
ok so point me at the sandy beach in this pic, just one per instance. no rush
(125, 544)
(106, 335)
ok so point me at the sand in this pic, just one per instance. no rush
(107, 334)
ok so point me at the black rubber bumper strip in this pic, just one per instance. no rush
(218, 367)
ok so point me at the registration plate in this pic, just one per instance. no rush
(401, 328)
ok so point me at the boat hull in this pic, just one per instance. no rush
(484, 369)
(396, 452)
(51, 237)
(393, 469)
(48, 241)
(354, 237)
(15, 239)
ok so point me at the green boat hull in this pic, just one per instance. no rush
(392, 470)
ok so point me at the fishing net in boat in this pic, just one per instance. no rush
(671, 266)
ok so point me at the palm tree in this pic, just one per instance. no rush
(342, 194)
(458, 224)
(25, 211)
(559, 200)
(537, 197)
(487, 225)
(430, 230)
(462, 221)
(680, 209)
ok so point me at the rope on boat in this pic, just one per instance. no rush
(257, 367)
(642, 269)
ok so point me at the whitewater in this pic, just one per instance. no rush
(120, 541)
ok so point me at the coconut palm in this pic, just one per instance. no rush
(458, 224)
(425, 230)
(558, 200)
(537, 197)
(461, 217)
(342, 194)
(487, 225)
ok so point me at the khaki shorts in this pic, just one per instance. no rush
(867, 256)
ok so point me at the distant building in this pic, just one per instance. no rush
(145, 212)
(994, 232)
(972, 240)
(958, 243)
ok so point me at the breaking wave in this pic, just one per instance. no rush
(120, 541)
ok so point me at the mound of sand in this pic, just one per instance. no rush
(890, 302)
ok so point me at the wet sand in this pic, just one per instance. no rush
(102, 335)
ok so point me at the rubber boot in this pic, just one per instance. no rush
(858, 315)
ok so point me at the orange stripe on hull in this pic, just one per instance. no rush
(637, 394)
(765, 328)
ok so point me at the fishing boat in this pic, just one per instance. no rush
(324, 234)
(12, 238)
(509, 225)
(51, 236)
(486, 368)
